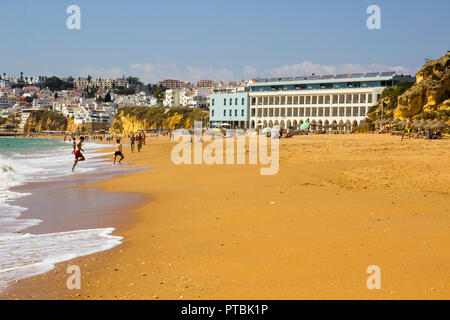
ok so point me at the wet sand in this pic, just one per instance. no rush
(338, 205)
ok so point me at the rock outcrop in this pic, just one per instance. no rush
(43, 120)
(428, 98)
(132, 119)
(431, 92)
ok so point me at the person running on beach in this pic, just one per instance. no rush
(118, 152)
(407, 129)
(78, 155)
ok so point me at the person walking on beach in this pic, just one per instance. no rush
(407, 129)
(139, 142)
(118, 152)
(132, 141)
(74, 144)
(78, 155)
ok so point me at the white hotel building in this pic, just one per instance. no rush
(322, 100)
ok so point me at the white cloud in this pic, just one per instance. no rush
(307, 67)
(114, 72)
(152, 73)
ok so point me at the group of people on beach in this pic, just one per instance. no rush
(136, 141)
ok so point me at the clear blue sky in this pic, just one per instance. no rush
(224, 40)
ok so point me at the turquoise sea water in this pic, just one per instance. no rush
(24, 160)
(9, 145)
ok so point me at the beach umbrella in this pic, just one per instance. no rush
(265, 130)
(304, 126)
(428, 125)
(416, 124)
(385, 121)
(439, 125)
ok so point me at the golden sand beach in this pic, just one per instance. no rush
(339, 204)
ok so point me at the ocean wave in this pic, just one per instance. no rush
(27, 255)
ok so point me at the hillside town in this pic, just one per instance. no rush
(95, 102)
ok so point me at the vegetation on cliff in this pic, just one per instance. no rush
(132, 119)
(428, 98)
(3, 121)
(42, 120)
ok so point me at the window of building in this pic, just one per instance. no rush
(320, 112)
(355, 98)
(327, 99)
(253, 101)
(266, 101)
(335, 111)
(341, 99)
(362, 98)
(283, 101)
(314, 100)
(348, 98)
(301, 112)
(355, 111)
(335, 99)
(369, 98)
(243, 101)
(302, 100)
(341, 111)
(313, 112)
(289, 100)
(277, 101)
(212, 102)
(212, 113)
(277, 112)
(235, 112)
(289, 112)
(231, 113)
(362, 111)
(295, 100)
(378, 97)
(242, 112)
(327, 112)
(283, 112)
(270, 112)
(259, 101)
(308, 100)
(270, 101)
(308, 112)
(231, 101)
(320, 99)
(348, 111)
(225, 102)
(253, 112)
(224, 113)
(295, 112)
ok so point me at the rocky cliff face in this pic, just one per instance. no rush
(48, 120)
(428, 98)
(431, 92)
(132, 119)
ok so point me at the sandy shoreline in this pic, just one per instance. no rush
(337, 205)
